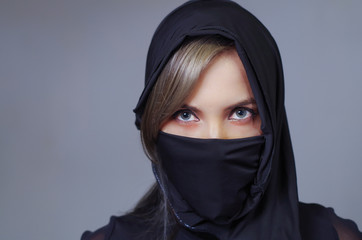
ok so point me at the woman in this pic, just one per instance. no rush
(213, 123)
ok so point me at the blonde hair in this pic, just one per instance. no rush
(175, 84)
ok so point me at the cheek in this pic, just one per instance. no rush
(257, 126)
(168, 127)
(240, 130)
(185, 129)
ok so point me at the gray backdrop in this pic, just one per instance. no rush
(71, 72)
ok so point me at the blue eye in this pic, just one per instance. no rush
(185, 115)
(241, 114)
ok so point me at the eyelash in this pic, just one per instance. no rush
(177, 114)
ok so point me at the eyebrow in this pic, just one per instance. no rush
(250, 101)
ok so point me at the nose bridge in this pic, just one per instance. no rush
(215, 129)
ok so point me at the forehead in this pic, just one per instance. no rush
(223, 81)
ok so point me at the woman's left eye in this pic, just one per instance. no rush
(241, 114)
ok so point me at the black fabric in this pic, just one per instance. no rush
(312, 218)
(208, 178)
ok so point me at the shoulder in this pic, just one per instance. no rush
(126, 227)
(319, 222)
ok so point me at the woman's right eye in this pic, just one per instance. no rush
(185, 115)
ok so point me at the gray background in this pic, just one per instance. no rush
(71, 72)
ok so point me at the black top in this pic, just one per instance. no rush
(312, 218)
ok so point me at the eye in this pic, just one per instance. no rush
(185, 115)
(241, 114)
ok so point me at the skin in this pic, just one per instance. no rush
(222, 104)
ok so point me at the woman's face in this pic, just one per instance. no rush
(222, 104)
